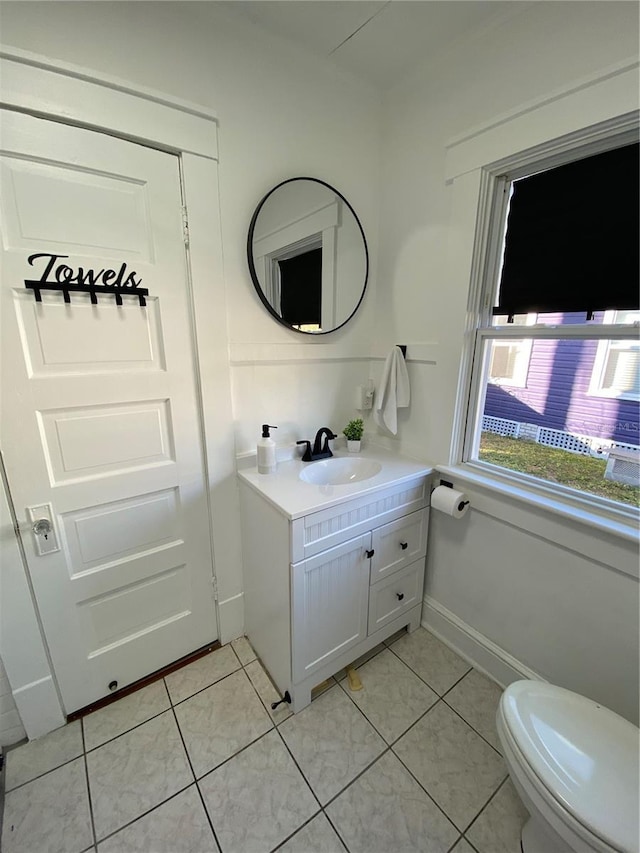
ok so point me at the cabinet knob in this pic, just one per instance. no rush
(370, 553)
(400, 595)
(404, 545)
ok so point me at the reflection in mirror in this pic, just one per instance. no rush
(308, 256)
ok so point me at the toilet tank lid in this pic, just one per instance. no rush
(585, 754)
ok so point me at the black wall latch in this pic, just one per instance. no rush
(285, 699)
(370, 553)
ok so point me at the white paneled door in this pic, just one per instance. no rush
(100, 420)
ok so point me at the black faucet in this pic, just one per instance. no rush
(321, 450)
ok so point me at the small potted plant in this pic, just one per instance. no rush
(353, 431)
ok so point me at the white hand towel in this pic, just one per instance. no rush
(393, 391)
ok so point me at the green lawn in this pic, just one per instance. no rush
(559, 466)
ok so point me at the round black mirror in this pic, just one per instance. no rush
(308, 256)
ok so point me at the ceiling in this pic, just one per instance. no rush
(380, 41)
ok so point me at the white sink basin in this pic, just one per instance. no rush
(339, 471)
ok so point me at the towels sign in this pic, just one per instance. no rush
(60, 276)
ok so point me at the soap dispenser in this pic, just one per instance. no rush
(266, 451)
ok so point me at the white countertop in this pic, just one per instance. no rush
(294, 497)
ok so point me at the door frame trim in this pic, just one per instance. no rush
(75, 95)
(59, 91)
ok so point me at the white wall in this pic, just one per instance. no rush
(571, 619)
(274, 124)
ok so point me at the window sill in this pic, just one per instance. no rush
(613, 395)
(604, 537)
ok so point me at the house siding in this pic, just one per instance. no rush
(556, 393)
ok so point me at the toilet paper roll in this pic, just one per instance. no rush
(450, 501)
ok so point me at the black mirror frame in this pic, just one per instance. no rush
(254, 275)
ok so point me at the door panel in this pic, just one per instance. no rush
(118, 223)
(100, 534)
(64, 337)
(100, 414)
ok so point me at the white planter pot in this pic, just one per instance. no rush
(353, 446)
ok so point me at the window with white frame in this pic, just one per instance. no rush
(510, 359)
(555, 377)
(616, 369)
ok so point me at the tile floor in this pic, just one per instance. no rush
(198, 763)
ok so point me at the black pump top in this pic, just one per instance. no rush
(265, 430)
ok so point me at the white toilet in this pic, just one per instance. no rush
(575, 765)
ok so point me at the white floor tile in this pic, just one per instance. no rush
(454, 764)
(498, 827)
(392, 696)
(201, 673)
(221, 720)
(39, 756)
(178, 826)
(318, 836)
(130, 711)
(258, 798)
(463, 846)
(136, 772)
(242, 648)
(476, 699)
(385, 809)
(430, 659)
(332, 742)
(50, 814)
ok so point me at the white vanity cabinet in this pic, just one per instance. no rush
(323, 588)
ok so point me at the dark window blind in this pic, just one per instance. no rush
(572, 238)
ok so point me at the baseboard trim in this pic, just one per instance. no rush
(231, 618)
(39, 707)
(474, 647)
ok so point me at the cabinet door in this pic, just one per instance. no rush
(399, 544)
(330, 595)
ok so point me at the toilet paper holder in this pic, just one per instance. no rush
(449, 485)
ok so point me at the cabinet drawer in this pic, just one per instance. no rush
(329, 527)
(391, 596)
(398, 544)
